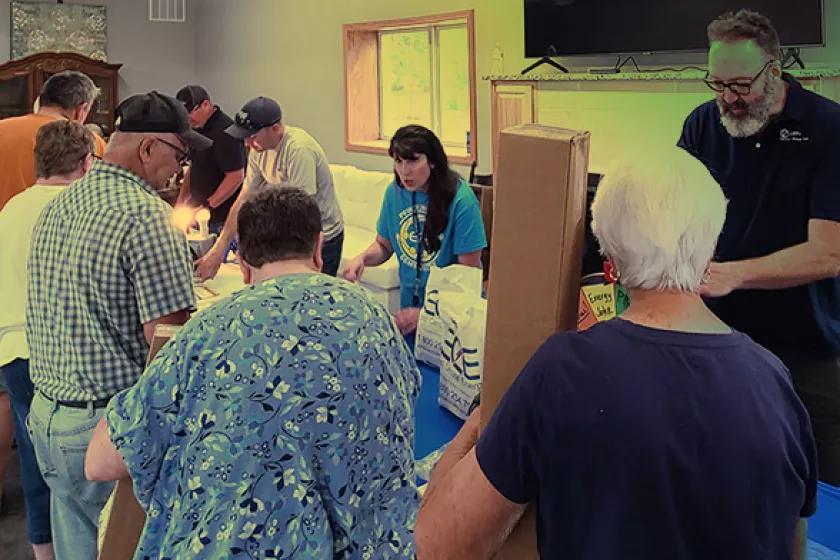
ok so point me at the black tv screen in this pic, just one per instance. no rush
(587, 27)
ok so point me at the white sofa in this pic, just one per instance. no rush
(360, 195)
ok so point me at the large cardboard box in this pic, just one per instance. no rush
(126, 516)
(538, 229)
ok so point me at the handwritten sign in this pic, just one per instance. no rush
(622, 300)
(601, 300)
(586, 318)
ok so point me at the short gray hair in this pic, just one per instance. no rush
(68, 90)
(746, 25)
(657, 216)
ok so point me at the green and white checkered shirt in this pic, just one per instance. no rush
(105, 259)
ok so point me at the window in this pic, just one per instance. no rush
(416, 71)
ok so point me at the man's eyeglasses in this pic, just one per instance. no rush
(738, 88)
(183, 155)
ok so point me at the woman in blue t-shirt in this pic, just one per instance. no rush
(429, 215)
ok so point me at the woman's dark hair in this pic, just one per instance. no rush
(406, 144)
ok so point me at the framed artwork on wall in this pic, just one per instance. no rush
(40, 27)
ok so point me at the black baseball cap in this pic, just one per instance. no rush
(257, 114)
(192, 96)
(156, 112)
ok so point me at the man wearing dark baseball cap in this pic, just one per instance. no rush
(281, 155)
(108, 266)
(215, 175)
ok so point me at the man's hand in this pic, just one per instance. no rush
(724, 278)
(407, 319)
(208, 265)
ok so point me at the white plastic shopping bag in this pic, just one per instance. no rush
(462, 355)
(454, 284)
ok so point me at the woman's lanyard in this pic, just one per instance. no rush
(416, 300)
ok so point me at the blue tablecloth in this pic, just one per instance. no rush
(434, 426)
(824, 526)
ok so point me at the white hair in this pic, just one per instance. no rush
(657, 216)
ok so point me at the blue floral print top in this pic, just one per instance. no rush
(277, 424)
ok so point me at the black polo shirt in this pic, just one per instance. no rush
(775, 182)
(209, 167)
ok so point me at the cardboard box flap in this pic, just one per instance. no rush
(546, 132)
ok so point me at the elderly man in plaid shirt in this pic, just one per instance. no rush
(106, 267)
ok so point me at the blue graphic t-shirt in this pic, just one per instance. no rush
(403, 212)
(277, 424)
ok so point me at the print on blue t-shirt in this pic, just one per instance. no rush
(401, 222)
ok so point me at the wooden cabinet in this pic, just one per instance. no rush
(513, 104)
(21, 82)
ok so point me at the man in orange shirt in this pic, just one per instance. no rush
(66, 95)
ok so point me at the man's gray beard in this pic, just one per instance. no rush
(757, 117)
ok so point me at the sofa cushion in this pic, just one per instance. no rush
(360, 194)
(356, 240)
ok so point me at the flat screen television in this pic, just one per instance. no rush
(590, 27)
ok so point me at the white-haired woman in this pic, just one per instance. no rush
(659, 434)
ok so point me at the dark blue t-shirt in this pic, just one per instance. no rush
(645, 444)
(775, 182)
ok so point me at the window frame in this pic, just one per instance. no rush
(362, 81)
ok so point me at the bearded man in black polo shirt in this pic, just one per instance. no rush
(774, 147)
(215, 176)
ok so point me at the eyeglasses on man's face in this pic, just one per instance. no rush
(738, 88)
(183, 155)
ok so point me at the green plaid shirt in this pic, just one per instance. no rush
(105, 259)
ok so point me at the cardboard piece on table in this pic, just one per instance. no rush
(538, 232)
(127, 517)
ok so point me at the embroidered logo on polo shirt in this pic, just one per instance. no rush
(792, 136)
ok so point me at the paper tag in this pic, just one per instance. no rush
(601, 300)
(586, 318)
(622, 299)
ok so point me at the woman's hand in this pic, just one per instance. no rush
(355, 268)
(407, 319)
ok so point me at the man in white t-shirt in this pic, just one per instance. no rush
(63, 153)
(281, 155)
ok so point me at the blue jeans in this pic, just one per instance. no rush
(61, 436)
(331, 254)
(36, 493)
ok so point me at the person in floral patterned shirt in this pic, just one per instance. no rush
(280, 422)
